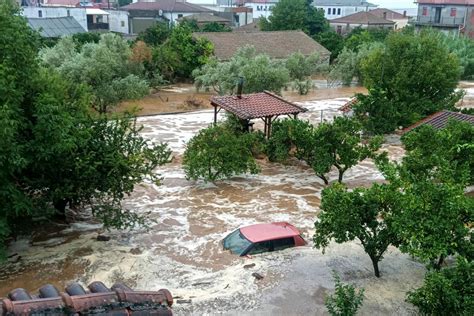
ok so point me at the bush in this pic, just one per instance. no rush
(345, 301)
(217, 153)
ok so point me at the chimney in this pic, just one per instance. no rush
(405, 14)
(240, 86)
(385, 15)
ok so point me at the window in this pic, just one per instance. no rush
(260, 247)
(339, 29)
(180, 16)
(283, 243)
(122, 23)
(453, 11)
(425, 11)
(339, 11)
(40, 13)
(334, 11)
(329, 11)
(68, 13)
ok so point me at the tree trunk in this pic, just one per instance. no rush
(341, 174)
(375, 263)
(437, 265)
(322, 177)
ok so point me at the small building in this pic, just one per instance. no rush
(143, 15)
(56, 27)
(455, 17)
(334, 9)
(205, 18)
(401, 20)
(363, 20)
(278, 44)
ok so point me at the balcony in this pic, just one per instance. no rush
(439, 22)
(97, 26)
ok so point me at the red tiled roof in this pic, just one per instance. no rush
(362, 17)
(387, 14)
(348, 106)
(256, 105)
(166, 6)
(440, 119)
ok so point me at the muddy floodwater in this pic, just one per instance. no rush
(182, 250)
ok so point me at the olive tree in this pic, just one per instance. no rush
(301, 68)
(217, 153)
(362, 214)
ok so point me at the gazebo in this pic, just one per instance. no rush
(264, 105)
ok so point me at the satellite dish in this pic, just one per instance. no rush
(160, 12)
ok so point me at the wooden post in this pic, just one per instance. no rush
(269, 126)
(215, 114)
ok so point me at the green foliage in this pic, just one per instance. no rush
(363, 214)
(328, 145)
(345, 301)
(215, 27)
(105, 67)
(155, 35)
(332, 41)
(80, 39)
(295, 15)
(433, 175)
(259, 71)
(359, 37)
(347, 66)
(404, 85)
(301, 69)
(446, 292)
(217, 153)
(53, 153)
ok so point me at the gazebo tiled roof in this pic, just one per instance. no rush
(440, 119)
(256, 105)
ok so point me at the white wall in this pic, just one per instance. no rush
(172, 17)
(261, 9)
(50, 12)
(344, 11)
(118, 21)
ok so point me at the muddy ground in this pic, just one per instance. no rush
(182, 250)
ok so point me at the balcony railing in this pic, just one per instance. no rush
(443, 21)
(98, 26)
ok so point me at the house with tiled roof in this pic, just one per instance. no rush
(205, 18)
(143, 15)
(278, 44)
(334, 9)
(401, 20)
(363, 20)
(440, 119)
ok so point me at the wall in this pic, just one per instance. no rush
(118, 21)
(51, 12)
(344, 10)
(261, 9)
(445, 18)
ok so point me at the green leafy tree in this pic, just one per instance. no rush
(155, 35)
(217, 153)
(446, 292)
(215, 27)
(105, 67)
(301, 68)
(332, 41)
(345, 301)
(362, 214)
(260, 73)
(415, 85)
(361, 37)
(295, 15)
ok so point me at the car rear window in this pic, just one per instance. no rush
(272, 245)
(236, 242)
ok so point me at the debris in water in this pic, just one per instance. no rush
(201, 283)
(136, 251)
(183, 301)
(257, 275)
(103, 238)
(248, 266)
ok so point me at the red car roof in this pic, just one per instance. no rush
(264, 232)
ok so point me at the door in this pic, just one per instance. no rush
(437, 15)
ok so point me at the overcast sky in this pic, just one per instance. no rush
(394, 3)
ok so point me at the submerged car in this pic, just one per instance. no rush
(259, 238)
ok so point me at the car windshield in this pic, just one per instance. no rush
(236, 242)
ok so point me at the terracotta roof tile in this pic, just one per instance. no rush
(256, 105)
(347, 107)
(440, 119)
(279, 44)
(166, 6)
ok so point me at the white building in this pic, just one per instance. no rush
(89, 18)
(334, 9)
(260, 8)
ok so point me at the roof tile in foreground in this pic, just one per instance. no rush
(440, 119)
(257, 105)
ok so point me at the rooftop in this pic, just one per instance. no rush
(279, 44)
(387, 14)
(256, 105)
(362, 17)
(440, 119)
(263, 232)
(204, 18)
(348, 3)
(165, 6)
(462, 2)
(56, 27)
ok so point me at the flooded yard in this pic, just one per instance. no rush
(182, 252)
